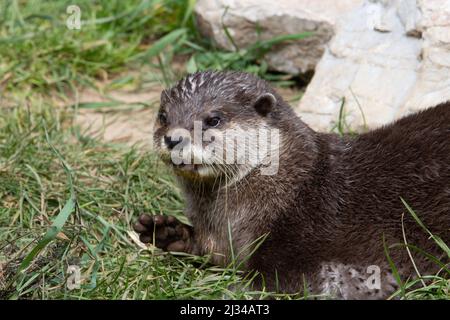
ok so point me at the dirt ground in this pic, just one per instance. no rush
(125, 125)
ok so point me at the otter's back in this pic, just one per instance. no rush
(407, 159)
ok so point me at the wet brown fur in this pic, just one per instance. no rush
(333, 199)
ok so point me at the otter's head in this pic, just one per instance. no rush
(213, 124)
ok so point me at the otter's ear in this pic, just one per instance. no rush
(265, 103)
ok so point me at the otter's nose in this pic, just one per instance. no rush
(171, 143)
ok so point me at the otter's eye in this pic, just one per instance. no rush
(162, 118)
(212, 122)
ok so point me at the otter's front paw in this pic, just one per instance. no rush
(167, 232)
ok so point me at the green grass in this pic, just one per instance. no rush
(69, 199)
(49, 170)
(39, 51)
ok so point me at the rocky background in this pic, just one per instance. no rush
(375, 60)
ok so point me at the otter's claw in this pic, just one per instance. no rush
(167, 232)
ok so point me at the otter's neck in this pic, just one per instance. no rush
(296, 195)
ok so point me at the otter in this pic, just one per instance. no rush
(334, 215)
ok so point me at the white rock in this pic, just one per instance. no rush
(250, 20)
(387, 59)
